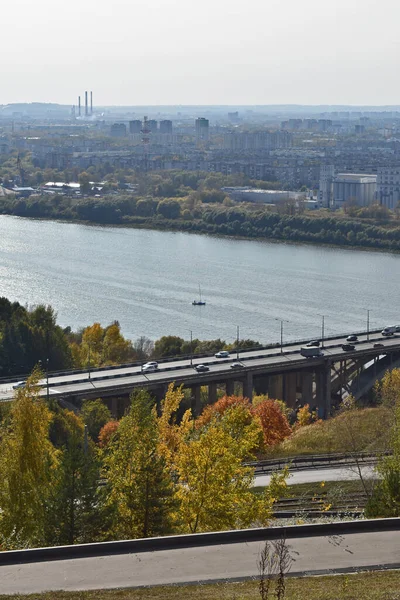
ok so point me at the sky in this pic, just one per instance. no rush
(142, 52)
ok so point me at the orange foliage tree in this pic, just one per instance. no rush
(106, 433)
(274, 423)
(221, 406)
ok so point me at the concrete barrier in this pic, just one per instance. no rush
(196, 540)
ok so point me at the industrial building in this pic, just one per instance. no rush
(354, 187)
(388, 186)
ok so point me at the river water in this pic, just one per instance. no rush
(147, 280)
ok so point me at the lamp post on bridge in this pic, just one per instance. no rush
(322, 330)
(368, 311)
(237, 342)
(281, 321)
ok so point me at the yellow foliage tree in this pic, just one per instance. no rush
(170, 433)
(214, 486)
(27, 464)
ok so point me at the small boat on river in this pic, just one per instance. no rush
(199, 302)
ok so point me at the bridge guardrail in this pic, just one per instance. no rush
(313, 461)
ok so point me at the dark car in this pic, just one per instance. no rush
(378, 345)
(312, 344)
(348, 347)
(352, 338)
(202, 368)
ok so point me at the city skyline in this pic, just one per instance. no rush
(225, 53)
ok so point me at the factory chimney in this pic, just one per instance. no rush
(79, 106)
(91, 103)
(86, 104)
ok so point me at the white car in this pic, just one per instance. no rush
(152, 363)
(237, 365)
(222, 354)
(149, 368)
(19, 385)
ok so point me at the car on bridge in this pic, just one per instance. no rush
(379, 345)
(19, 385)
(222, 354)
(152, 363)
(237, 365)
(348, 347)
(202, 368)
(313, 344)
(352, 338)
(149, 368)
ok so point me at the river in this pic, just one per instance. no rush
(147, 280)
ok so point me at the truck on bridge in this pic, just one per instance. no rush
(311, 352)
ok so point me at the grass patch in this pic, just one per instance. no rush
(360, 430)
(379, 585)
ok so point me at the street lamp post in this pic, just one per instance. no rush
(191, 348)
(368, 311)
(322, 330)
(237, 342)
(47, 379)
(281, 322)
(89, 361)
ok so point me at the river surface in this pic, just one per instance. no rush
(147, 280)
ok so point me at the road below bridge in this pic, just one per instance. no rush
(235, 561)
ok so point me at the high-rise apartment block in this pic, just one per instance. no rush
(202, 130)
(388, 186)
(166, 126)
(152, 125)
(135, 126)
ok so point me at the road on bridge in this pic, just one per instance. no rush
(81, 383)
(313, 555)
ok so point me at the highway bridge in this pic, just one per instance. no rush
(282, 372)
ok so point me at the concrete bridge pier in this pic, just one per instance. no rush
(275, 387)
(290, 389)
(230, 387)
(323, 391)
(307, 388)
(261, 384)
(195, 400)
(248, 386)
(212, 393)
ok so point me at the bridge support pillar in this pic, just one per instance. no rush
(323, 391)
(289, 389)
(275, 387)
(261, 384)
(307, 388)
(212, 393)
(248, 387)
(230, 387)
(195, 400)
(114, 408)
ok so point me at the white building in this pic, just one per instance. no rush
(388, 186)
(359, 188)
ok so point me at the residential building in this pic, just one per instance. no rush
(166, 126)
(388, 186)
(202, 129)
(135, 126)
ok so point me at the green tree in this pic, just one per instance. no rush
(139, 485)
(95, 415)
(27, 464)
(75, 512)
(84, 182)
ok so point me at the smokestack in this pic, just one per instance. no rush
(91, 103)
(86, 104)
(79, 106)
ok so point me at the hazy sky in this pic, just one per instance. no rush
(208, 52)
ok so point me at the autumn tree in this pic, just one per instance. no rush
(107, 432)
(214, 486)
(274, 423)
(27, 464)
(138, 484)
(95, 415)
